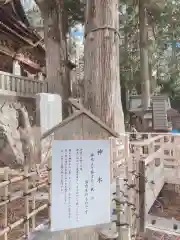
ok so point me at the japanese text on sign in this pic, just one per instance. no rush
(80, 184)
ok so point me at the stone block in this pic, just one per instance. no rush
(48, 110)
(48, 114)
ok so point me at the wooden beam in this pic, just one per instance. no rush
(93, 117)
(163, 231)
(27, 61)
(15, 33)
(14, 38)
(61, 124)
(156, 5)
(3, 2)
(6, 51)
(32, 37)
(22, 59)
(162, 224)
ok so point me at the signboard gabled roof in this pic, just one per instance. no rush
(80, 110)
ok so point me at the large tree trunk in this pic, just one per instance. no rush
(56, 50)
(144, 63)
(53, 67)
(101, 84)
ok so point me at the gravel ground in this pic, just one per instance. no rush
(152, 235)
(15, 212)
(167, 205)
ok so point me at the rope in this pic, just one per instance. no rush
(103, 28)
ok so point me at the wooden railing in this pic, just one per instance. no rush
(160, 153)
(152, 158)
(20, 86)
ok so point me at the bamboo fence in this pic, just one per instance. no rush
(31, 187)
(125, 158)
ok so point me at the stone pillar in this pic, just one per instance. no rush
(48, 114)
(49, 110)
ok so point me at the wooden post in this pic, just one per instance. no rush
(136, 182)
(49, 183)
(118, 214)
(141, 196)
(131, 191)
(125, 231)
(26, 199)
(34, 201)
(119, 173)
(6, 176)
(133, 182)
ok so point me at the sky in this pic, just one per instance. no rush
(78, 33)
(28, 4)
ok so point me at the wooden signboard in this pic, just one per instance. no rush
(82, 125)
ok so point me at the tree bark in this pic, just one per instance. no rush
(101, 84)
(144, 63)
(58, 76)
(53, 68)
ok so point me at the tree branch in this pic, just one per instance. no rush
(3, 2)
(40, 3)
(45, 5)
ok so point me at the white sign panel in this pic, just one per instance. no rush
(80, 184)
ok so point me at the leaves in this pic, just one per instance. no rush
(163, 33)
(73, 8)
(164, 53)
(75, 11)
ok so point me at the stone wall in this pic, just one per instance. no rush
(49, 114)
(11, 142)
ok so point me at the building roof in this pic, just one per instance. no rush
(19, 41)
(173, 113)
(135, 102)
(14, 22)
(80, 110)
